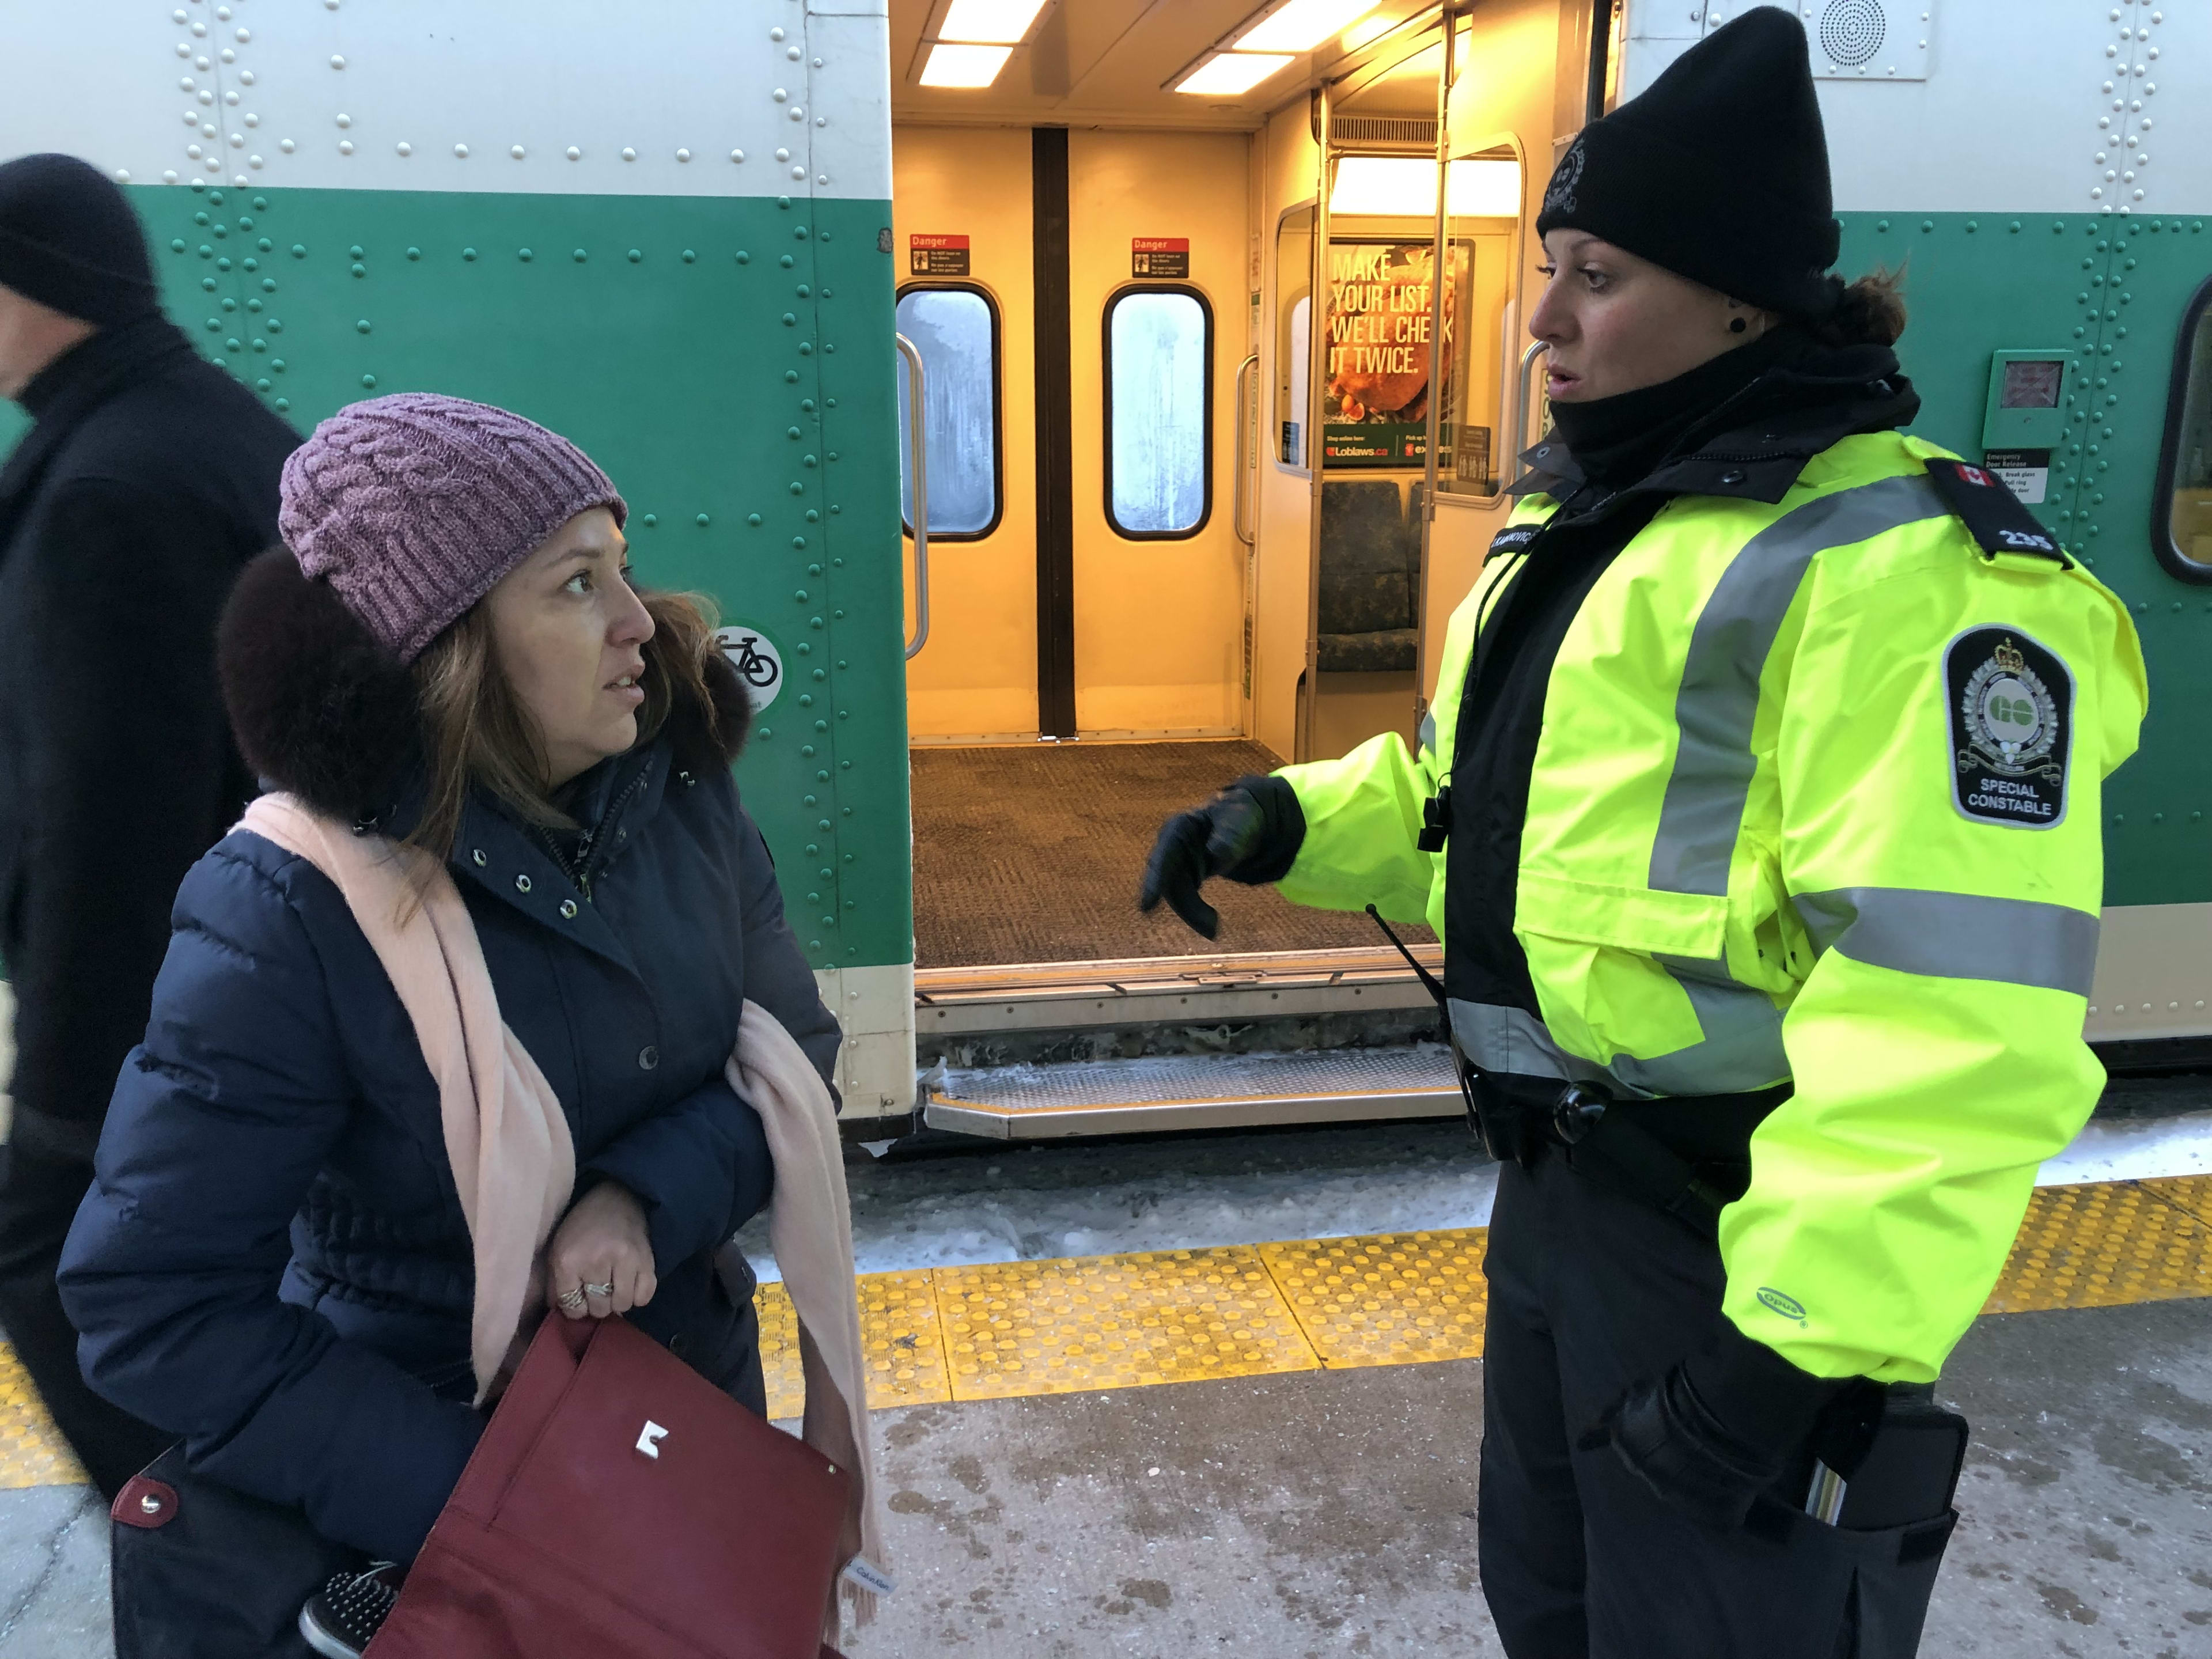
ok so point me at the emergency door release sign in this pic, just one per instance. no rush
(1159, 256)
(937, 255)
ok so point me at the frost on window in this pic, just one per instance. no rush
(1156, 363)
(951, 329)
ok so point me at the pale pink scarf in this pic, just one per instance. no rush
(515, 1164)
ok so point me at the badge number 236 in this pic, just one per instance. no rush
(2010, 708)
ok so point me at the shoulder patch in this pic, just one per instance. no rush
(1514, 538)
(2010, 702)
(1991, 513)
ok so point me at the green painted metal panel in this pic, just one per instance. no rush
(2113, 289)
(728, 360)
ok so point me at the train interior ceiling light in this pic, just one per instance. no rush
(974, 40)
(1396, 187)
(1264, 46)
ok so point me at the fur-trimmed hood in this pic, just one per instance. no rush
(320, 708)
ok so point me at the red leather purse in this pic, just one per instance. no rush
(620, 1505)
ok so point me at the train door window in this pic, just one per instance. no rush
(1159, 412)
(955, 330)
(2184, 501)
(1293, 334)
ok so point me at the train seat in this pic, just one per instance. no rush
(1369, 560)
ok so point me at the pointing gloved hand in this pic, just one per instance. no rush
(1719, 1428)
(1250, 832)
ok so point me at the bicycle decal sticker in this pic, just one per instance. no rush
(757, 661)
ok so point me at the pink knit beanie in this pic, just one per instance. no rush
(414, 506)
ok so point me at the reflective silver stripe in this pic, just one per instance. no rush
(1427, 735)
(1956, 935)
(1702, 811)
(1507, 1040)
(1742, 1047)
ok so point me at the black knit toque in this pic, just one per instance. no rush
(1719, 171)
(69, 240)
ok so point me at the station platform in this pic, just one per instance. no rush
(1308, 1488)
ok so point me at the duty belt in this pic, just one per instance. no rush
(1687, 1155)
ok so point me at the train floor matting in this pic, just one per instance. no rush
(1033, 853)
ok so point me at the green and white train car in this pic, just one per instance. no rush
(672, 231)
(657, 228)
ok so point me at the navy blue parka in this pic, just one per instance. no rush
(273, 1262)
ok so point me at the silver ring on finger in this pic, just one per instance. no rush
(571, 1299)
(606, 1290)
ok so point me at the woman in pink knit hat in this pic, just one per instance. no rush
(274, 1263)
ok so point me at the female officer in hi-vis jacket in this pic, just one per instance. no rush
(1759, 814)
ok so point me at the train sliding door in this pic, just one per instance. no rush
(961, 233)
(1157, 326)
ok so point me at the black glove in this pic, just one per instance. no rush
(1718, 1429)
(1250, 832)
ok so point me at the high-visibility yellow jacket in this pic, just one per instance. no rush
(1774, 832)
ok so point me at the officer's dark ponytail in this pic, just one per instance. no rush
(1869, 312)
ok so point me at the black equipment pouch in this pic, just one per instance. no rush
(1908, 1472)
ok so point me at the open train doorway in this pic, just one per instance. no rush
(1140, 586)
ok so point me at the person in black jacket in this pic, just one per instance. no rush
(147, 480)
(274, 1261)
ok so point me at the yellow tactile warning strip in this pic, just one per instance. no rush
(2098, 1247)
(1395, 1300)
(32, 1453)
(1041, 1327)
(1114, 1322)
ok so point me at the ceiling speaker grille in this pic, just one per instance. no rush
(1383, 132)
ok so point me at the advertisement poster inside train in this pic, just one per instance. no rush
(1375, 405)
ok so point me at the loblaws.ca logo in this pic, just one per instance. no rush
(1788, 1306)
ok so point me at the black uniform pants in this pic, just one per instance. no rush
(38, 1198)
(1590, 1289)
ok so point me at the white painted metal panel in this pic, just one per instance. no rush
(2153, 973)
(555, 96)
(2008, 121)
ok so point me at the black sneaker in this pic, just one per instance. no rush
(339, 1619)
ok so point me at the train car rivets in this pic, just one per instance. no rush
(574, 155)
(345, 146)
(628, 155)
(651, 520)
(523, 254)
(753, 519)
(338, 61)
(469, 254)
(405, 147)
(736, 156)
(690, 258)
(635, 255)
(702, 521)
(579, 256)
(780, 155)
(370, 382)
(286, 145)
(683, 154)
